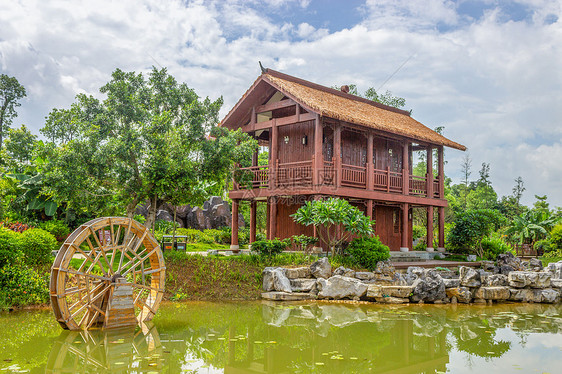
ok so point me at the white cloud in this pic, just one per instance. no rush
(494, 84)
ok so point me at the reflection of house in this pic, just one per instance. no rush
(325, 142)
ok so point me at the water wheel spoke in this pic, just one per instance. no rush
(93, 319)
(101, 293)
(135, 265)
(82, 298)
(141, 303)
(147, 287)
(70, 271)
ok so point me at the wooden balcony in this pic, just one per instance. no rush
(298, 175)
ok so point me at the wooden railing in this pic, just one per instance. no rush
(300, 174)
(353, 176)
(251, 177)
(418, 185)
(386, 180)
(294, 174)
(328, 174)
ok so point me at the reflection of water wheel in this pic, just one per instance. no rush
(99, 257)
(120, 350)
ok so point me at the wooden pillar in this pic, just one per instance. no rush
(441, 172)
(272, 218)
(318, 159)
(429, 174)
(253, 208)
(429, 229)
(405, 247)
(369, 164)
(370, 209)
(406, 168)
(337, 154)
(441, 239)
(273, 157)
(234, 238)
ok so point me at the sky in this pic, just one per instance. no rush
(489, 71)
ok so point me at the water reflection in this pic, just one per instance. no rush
(266, 337)
(114, 351)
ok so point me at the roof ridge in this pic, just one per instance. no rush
(333, 91)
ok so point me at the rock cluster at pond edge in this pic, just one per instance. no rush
(417, 285)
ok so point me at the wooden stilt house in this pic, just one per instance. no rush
(324, 142)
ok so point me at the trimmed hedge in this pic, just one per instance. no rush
(367, 251)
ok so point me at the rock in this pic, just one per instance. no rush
(447, 274)
(479, 301)
(520, 279)
(471, 258)
(413, 273)
(454, 300)
(364, 275)
(284, 296)
(508, 259)
(469, 277)
(548, 295)
(489, 267)
(385, 268)
(182, 211)
(142, 209)
(461, 294)
(274, 279)
(555, 268)
(396, 279)
(556, 283)
(492, 293)
(345, 272)
(440, 256)
(451, 283)
(294, 273)
(506, 269)
(321, 268)
(520, 294)
(429, 287)
(377, 291)
(535, 264)
(164, 215)
(303, 284)
(495, 280)
(340, 287)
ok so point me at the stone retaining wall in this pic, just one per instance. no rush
(492, 283)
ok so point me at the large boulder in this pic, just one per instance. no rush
(164, 215)
(413, 273)
(303, 284)
(521, 279)
(451, 283)
(494, 280)
(274, 279)
(462, 294)
(385, 268)
(555, 268)
(378, 292)
(364, 275)
(321, 268)
(340, 287)
(469, 277)
(345, 272)
(490, 267)
(507, 262)
(535, 265)
(429, 287)
(301, 272)
(492, 293)
(547, 295)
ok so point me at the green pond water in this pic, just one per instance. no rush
(262, 337)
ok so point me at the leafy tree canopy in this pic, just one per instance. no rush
(11, 91)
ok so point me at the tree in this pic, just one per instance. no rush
(484, 179)
(471, 227)
(61, 126)
(465, 169)
(327, 214)
(19, 145)
(149, 139)
(531, 226)
(11, 91)
(518, 189)
(387, 98)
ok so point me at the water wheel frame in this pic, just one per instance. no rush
(93, 259)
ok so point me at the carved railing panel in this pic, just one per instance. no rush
(251, 177)
(291, 174)
(418, 185)
(353, 176)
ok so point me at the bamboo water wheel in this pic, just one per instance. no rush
(108, 273)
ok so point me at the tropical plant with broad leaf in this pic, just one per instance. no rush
(531, 226)
(327, 215)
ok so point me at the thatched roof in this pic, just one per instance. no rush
(332, 103)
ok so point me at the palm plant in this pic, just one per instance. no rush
(531, 226)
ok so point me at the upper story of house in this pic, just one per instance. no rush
(324, 141)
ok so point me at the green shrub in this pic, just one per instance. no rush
(493, 247)
(556, 237)
(166, 226)
(58, 228)
(270, 247)
(195, 236)
(36, 246)
(544, 246)
(139, 218)
(418, 232)
(20, 286)
(9, 252)
(367, 251)
(421, 246)
(304, 242)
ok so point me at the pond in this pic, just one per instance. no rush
(265, 337)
